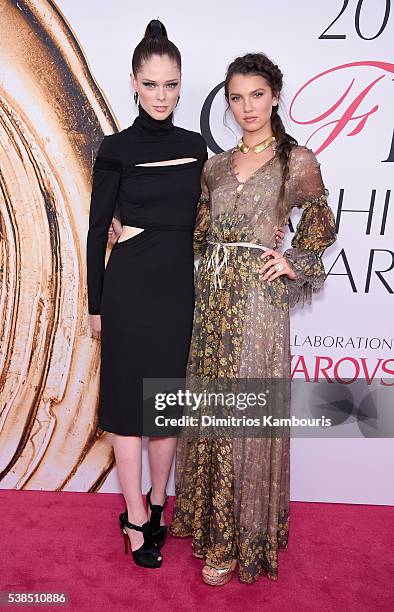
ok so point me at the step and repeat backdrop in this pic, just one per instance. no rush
(64, 82)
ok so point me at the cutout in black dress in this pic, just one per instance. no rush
(145, 295)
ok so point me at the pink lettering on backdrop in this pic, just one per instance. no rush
(349, 113)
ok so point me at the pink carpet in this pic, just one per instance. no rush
(340, 558)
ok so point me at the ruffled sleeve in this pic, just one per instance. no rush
(315, 230)
(106, 177)
(203, 218)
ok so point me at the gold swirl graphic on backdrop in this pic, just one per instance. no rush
(52, 118)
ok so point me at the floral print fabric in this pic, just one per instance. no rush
(233, 493)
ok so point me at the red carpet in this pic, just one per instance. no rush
(340, 558)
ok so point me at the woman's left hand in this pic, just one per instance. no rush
(276, 266)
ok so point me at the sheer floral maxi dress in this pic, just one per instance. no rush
(232, 495)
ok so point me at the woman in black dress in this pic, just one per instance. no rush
(142, 302)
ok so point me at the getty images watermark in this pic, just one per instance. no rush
(196, 402)
(267, 408)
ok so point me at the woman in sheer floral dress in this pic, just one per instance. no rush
(232, 494)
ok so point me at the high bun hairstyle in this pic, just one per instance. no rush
(155, 42)
(260, 64)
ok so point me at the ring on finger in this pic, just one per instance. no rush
(278, 267)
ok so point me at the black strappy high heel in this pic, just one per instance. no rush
(159, 532)
(148, 555)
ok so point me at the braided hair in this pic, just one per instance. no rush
(260, 64)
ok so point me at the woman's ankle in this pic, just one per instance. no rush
(137, 516)
(157, 497)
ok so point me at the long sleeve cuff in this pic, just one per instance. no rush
(310, 275)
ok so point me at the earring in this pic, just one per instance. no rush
(136, 97)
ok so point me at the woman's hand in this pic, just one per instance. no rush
(95, 323)
(279, 236)
(276, 266)
(114, 231)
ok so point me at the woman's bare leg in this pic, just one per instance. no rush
(128, 458)
(161, 453)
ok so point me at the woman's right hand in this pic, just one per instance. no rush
(114, 231)
(280, 235)
(95, 323)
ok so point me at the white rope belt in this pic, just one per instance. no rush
(216, 263)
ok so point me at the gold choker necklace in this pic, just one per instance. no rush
(258, 148)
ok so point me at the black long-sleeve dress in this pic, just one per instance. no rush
(145, 295)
